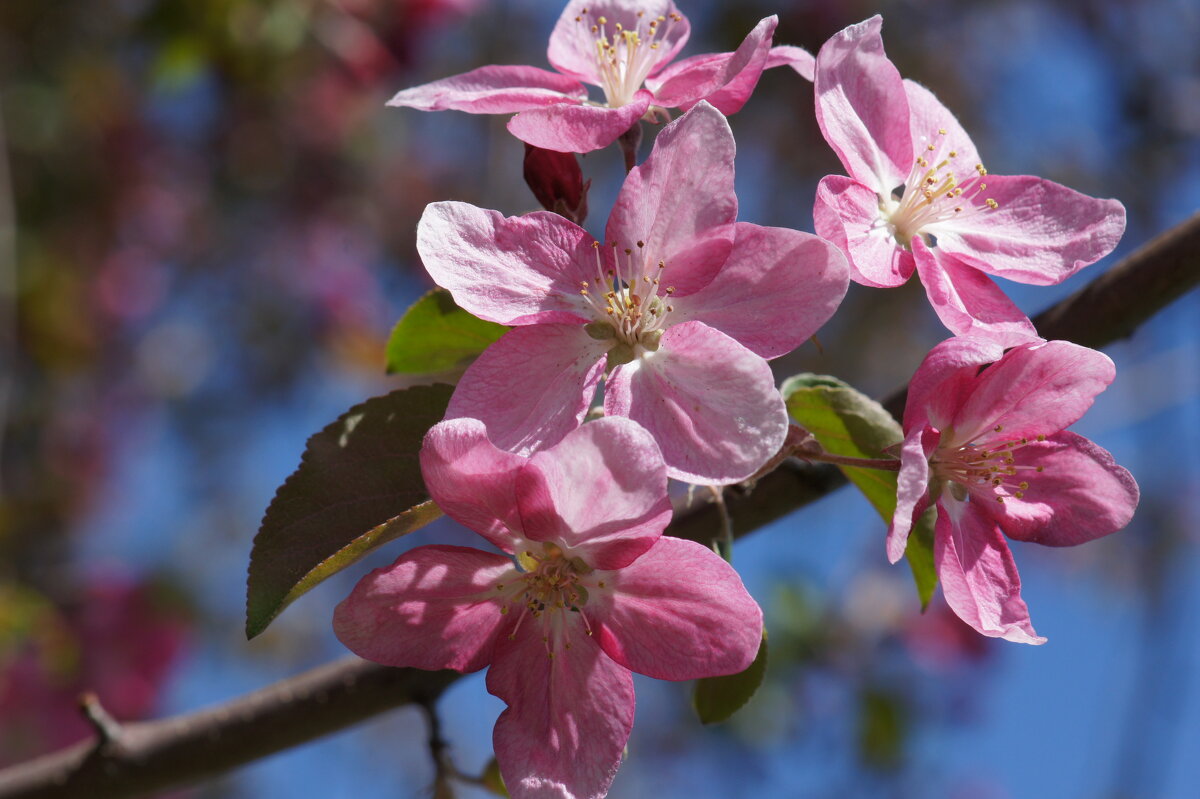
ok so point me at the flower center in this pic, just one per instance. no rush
(625, 57)
(631, 307)
(991, 465)
(938, 188)
(548, 590)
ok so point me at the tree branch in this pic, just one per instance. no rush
(141, 757)
(137, 758)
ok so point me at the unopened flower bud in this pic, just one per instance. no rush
(557, 181)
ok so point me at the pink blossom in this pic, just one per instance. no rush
(595, 591)
(683, 305)
(985, 440)
(919, 198)
(624, 48)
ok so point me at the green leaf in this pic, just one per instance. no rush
(882, 729)
(718, 698)
(358, 486)
(435, 335)
(847, 422)
(491, 779)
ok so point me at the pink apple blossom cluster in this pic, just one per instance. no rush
(672, 316)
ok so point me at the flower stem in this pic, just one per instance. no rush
(884, 464)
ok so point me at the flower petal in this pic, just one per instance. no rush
(799, 59)
(680, 202)
(1036, 389)
(945, 378)
(725, 80)
(472, 481)
(930, 120)
(1081, 493)
(846, 213)
(434, 608)
(967, 301)
(578, 128)
(568, 717)
(710, 403)
(513, 270)
(679, 612)
(532, 386)
(601, 492)
(1041, 232)
(912, 488)
(775, 291)
(978, 575)
(573, 44)
(862, 107)
(493, 90)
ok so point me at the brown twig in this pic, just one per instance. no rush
(181, 750)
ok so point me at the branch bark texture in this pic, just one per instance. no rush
(139, 758)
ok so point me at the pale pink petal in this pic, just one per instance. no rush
(862, 107)
(774, 292)
(725, 80)
(513, 270)
(710, 403)
(568, 717)
(912, 488)
(573, 44)
(578, 128)
(680, 202)
(978, 575)
(493, 90)
(601, 493)
(472, 481)
(967, 301)
(1080, 494)
(847, 213)
(434, 608)
(1040, 233)
(679, 612)
(945, 379)
(1037, 389)
(532, 386)
(927, 121)
(797, 58)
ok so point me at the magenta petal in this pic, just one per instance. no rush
(472, 481)
(710, 403)
(967, 301)
(1037, 389)
(927, 121)
(493, 90)
(725, 80)
(434, 608)
(573, 45)
(1040, 233)
(680, 202)
(532, 386)
(601, 493)
(912, 488)
(847, 213)
(578, 128)
(568, 717)
(945, 379)
(978, 575)
(1080, 494)
(797, 58)
(775, 291)
(679, 612)
(862, 107)
(511, 270)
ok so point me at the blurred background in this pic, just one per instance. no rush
(207, 222)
